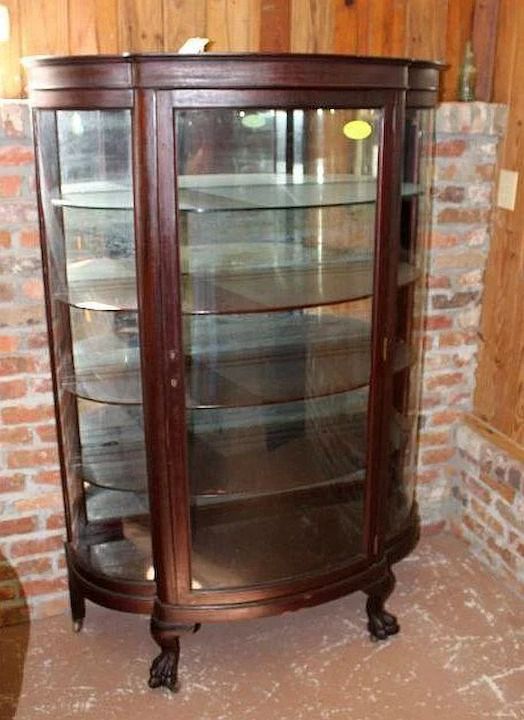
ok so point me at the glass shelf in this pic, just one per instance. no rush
(115, 466)
(241, 549)
(103, 504)
(322, 358)
(251, 191)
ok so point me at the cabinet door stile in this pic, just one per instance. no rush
(386, 271)
(153, 353)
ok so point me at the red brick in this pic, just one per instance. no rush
(12, 389)
(16, 155)
(5, 239)
(444, 380)
(440, 240)
(451, 193)
(475, 527)
(8, 592)
(445, 417)
(17, 526)
(8, 343)
(438, 322)
(436, 456)
(31, 458)
(485, 172)
(48, 477)
(433, 528)
(17, 415)
(13, 483)
(38, 566)
(6, 292)
(17, 364)
(457, 300)
(7, 572)
(478, 490)
(44, 501)
(15, 435)
(45, 587)
(439, 282)
(33, 289)
(21, 548)
(454, 339)
(427, 476)
(46, 433)
(503, 552)
(14, 615)
(505, 491)
(37, 340)
(10, 185)
(13, 316)
(450, 148)
(463, 216)
(44, 385)
(30, 238)
(487, 519)
(429, 439)
(49, 608)
(55, 522)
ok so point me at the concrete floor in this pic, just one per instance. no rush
(460, 654)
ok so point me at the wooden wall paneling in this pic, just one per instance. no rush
(505, 52)
(499, 394)
(312, 26)
(485, 19)
(275, 27)
(10, 53)
(140, 25)
(233, 25)
(427, 25)
(183, 19)
(345, 30)
(395, 35)
(93, 27)
(44, 27)
(458, 31)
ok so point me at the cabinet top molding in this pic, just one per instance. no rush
(227, 70)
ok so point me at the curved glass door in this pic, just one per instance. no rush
(411, 296)
(87, 193)
(277, 219)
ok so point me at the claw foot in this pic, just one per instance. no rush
(164, 670)
(381, 624)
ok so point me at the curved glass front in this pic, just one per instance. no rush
(87, 193)
(416, 218)
(277, 226)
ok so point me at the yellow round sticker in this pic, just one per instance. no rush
(357, 129)
(253, 121)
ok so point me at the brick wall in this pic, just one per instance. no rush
(488, 504)
(32, 570)
(32, 574)
(467, 135)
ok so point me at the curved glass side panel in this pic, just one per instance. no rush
(276, 238)
(416, 217)
(86, 177)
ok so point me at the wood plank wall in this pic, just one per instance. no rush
(435, 29)
(499, 398)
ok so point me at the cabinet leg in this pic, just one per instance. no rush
(76, 601)
(381, 624)
(164, 668)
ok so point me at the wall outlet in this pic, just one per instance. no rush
(507, 189)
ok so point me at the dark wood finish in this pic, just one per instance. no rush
(145, 563)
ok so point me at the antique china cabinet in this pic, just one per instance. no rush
(233, 252)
